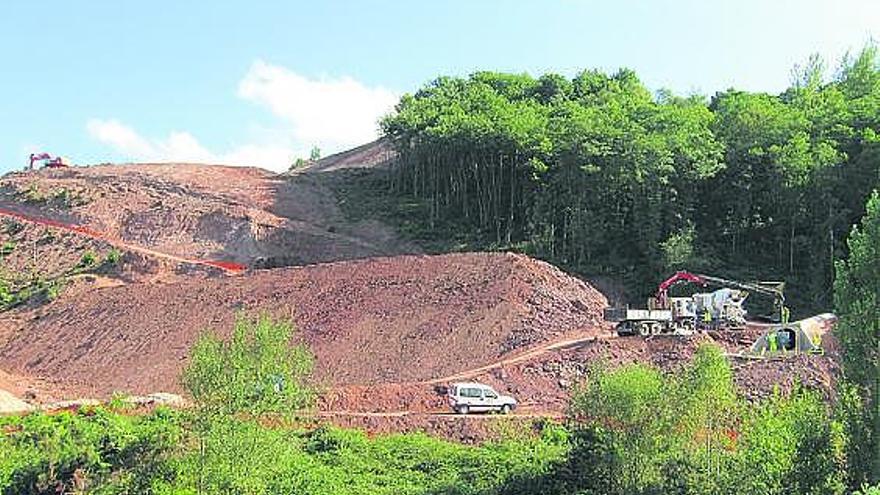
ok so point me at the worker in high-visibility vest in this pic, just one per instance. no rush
(816, 340)
(707, 318)
(772, 341)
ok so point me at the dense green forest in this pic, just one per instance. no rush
(597, 174)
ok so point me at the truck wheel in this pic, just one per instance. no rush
(505, 409)
(644, 329)
(462, 409)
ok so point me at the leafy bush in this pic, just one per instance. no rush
(112, 258)
(869, 490)
(635, 430)
(53, 288)
(88, 258)
(330, 460)
(33, 194)
(6, 295)
(88, 450)
(257, 371)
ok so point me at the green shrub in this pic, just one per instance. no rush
(635, 430)
(84, 451)
(244, 457)
(33, 194)
(7, 248)
(88, 258)
(869, 490)
(257, 371)
(62, 196)
(6, 295)
(112, 258)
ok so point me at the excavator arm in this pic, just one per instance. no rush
(774, 289)
(662, 295)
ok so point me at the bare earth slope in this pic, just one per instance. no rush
(245, 215)
(396, 319)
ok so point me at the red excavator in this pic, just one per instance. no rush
(48, 160)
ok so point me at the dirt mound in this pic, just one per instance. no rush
(398, 319)
(244, 215)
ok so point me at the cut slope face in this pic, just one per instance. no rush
(375, 154)
(244, 215)
(399, 319)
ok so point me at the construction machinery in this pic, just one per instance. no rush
(718, 310)
(48, 161)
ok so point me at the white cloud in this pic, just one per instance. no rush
(329, 113)
(182, 147)
(333, 114)
(122, 138)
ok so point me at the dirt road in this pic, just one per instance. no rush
(520, 358)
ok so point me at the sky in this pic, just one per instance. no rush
(260, 83)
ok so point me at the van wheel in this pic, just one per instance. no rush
(462, 409)
(505, 409)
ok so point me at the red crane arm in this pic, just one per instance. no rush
(681, 276)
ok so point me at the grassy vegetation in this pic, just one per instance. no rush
(101, 451)
(19, 287)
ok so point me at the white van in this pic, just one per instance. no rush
(476, 397)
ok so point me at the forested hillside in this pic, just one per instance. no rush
(600, 175)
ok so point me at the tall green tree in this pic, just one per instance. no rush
(857, 300)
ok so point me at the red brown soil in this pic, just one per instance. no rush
(243, 215)
(399, 319)
(544, 382)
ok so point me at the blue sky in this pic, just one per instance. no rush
(260, 82)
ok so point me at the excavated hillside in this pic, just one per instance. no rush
(244, 215)
(400, 319)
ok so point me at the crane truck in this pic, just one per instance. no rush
(720, 309)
